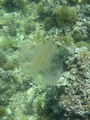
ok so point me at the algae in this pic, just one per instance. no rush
(66, 15)
(2, 111)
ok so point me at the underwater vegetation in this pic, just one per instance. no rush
(7, 44)
(42, 63)
(9, 5)
(67, 40)
(83, 44)
(29, 27)
(11, 65)
(2, 111)
(65, 15)
(2, 22)
(63, 54)
(51, 107)
(56, 17)
(48, 23)
(45, 12)
(12, 5)
(80, 1)
(2, 58)
(41, 10)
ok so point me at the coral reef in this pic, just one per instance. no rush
(52, 39)
(77, 77)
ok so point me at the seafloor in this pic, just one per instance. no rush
(44, 59)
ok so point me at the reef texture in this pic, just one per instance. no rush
(57, 33)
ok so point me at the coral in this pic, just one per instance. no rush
(66, 15)
(77, 77)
